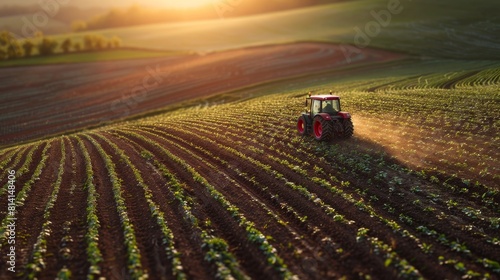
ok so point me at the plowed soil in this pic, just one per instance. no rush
(45, 100)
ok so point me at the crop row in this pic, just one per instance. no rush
(244, 190)
(394, 225)
(247, 124)
(21, 195)
(253, 234)
(312, 197)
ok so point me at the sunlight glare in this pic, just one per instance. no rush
(184, 4)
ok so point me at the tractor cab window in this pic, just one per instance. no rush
(316, 107)
(330, 106)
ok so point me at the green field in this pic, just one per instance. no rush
(94, 56)
(450, 29)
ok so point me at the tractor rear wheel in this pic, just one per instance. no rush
(302, 126)
(323, 129)
(348, 128)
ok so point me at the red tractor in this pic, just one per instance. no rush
(324, 119)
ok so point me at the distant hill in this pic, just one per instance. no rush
(14, 17)
(93, 15)
(452, 29)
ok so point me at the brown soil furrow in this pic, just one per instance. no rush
(21, 179)
(205, 207)
(342, 235)
(111, 239)
(385, 198)
(66, 246)
(30, 214)
(237, 191)
(190, 247)
(351, 211)
(147, 231)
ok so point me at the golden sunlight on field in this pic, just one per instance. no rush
(184, 4)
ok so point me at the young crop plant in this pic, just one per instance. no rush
(227, 265)
(37, 263)
(8, 158)
(23, 193)
(218, 253)
(168, 236)
(282, 204)
(133, 253)
(24, 168)
(253, 234)
(94, 254)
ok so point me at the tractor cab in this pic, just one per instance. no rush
(329, 104)
(324, 118)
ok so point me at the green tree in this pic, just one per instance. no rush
(5, 38)
(12, 47)
(88, 42)
(14, 50)
(115, 42)
(66, 45)
(47, 46)
(77, 46)
(99, 42)
(28, 47)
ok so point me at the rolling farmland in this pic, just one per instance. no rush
(61, 98)
(457, 29)
(186, 163)
(198, 193)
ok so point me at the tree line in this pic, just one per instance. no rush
(12, 48)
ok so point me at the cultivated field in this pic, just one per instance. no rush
(453, 29)
(43, 100)
(232, 190)
(189, 165)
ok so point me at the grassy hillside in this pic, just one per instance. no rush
(94, 56)
(452, 29)
(16, 24)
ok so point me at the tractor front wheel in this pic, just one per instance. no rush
(323, 129)
(302, 126)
